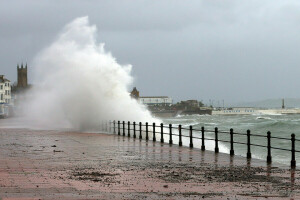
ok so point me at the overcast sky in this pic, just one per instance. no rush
(213, 49)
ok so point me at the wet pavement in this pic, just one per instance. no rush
(70, 165)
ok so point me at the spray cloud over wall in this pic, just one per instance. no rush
(78, 84)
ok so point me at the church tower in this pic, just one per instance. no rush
(22, 76)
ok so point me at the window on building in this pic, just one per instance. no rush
(1, 87)
(1, 97)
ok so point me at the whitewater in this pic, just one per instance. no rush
(78, 84)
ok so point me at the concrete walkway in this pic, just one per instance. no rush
(69, 165)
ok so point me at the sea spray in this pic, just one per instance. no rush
(77, 84)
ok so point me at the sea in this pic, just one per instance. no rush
(279, 125)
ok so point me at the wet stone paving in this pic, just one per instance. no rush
(72, 165)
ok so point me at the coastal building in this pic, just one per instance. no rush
(162, 106)
(255, 111)
(5, 90)
(156, 100)
(5, 96)
(151, 100)
(236, 111)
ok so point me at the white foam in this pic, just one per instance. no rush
(77, 84)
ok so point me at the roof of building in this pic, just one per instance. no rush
(155, 97)
(3, 80)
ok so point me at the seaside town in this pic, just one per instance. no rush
(160, 106)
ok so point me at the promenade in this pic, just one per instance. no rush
(71, 165)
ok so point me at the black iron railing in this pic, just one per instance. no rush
(120, 127)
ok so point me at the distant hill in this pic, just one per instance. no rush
(271, 103)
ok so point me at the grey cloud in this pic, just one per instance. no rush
(233, 50)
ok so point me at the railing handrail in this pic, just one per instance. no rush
(140, 128)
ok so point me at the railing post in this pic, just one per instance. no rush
(128, 126)
(154, 137)
(191, 137)
(269, 157)
(170, 130)
(109, 126)
(147, 136)
(231, 142)
(134, 131)
(202, 136)
(248, 145)
(216, 140)
(180, 135)
(119, 131)
(123, 128)
(293, 161)
(114, 126)
(141, 137)
(106, 129)
(162, 133)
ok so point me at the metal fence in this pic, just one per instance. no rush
(137, 130)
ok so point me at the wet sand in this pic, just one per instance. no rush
(71, 165)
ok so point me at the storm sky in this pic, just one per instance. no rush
(214, 49)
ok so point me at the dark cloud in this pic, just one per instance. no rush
(233, 50)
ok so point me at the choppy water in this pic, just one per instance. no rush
(279, 125)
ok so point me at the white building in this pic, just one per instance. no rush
(156, 100)
(5, 90)
(236, 111)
